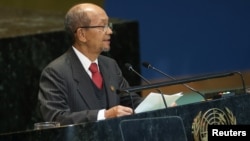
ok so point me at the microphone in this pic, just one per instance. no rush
(130, 68)
(149, 66)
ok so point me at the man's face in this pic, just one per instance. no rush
(98, 37)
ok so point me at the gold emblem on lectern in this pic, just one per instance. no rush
(212, 116)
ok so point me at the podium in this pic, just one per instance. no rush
(159, 124)
(153, 128)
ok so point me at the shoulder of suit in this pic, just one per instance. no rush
(107, 58)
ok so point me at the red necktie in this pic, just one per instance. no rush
(96, 75)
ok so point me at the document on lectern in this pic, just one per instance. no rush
(154, 101)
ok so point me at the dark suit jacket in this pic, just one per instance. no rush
(66, 92)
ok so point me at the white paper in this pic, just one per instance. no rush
(154, 101)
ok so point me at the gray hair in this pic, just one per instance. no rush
(76, 17)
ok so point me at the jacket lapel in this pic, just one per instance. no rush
(83, 81)
(110, 89)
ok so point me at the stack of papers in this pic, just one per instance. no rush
(154, 101)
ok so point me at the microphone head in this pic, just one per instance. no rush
(146, 65)
(128, 66)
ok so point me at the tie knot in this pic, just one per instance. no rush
(93, 68)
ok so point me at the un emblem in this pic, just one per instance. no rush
(212, 116)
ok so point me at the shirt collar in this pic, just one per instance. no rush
(83, 59)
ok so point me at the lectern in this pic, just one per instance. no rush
(159, 124)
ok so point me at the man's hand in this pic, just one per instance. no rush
(118, 111)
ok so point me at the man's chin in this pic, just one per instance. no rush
(105, 49)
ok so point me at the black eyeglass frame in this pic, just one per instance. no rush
(109, 25)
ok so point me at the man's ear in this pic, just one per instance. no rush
(81, 35)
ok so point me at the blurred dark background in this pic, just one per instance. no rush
(31, 35)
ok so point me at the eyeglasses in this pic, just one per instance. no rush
(104, 28)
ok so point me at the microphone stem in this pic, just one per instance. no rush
(141, 76)
(163, 73)
(159, 91)
(192, 89)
